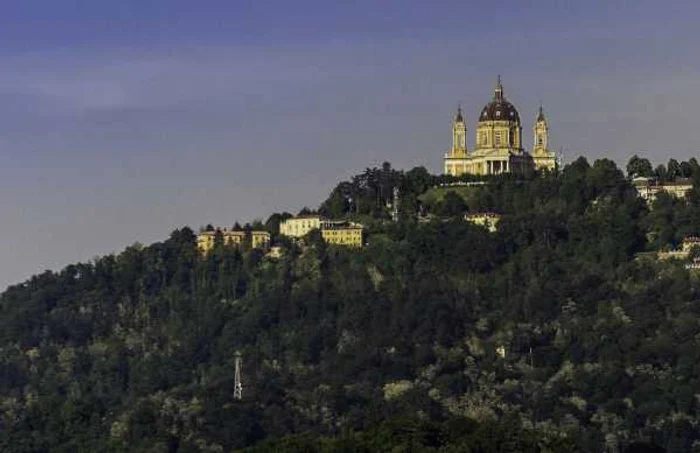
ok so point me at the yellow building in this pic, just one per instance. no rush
(342, 233)
(499, 147)
(260, 239)
(205, 241)
(332, 231)
(488, 220)
(235, 237)
(649, 188)
(275, 252)
(682, 253)
(690, 242)
(300, 226)
(205, 238)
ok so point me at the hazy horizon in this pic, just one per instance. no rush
(122, 122)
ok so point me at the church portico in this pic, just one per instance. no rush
(494, 167)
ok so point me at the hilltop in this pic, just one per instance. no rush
(438, 335)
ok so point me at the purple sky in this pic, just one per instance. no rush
(120, 121)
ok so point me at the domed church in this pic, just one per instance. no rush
(499, 146)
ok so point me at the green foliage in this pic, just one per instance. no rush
(670, 172)
(545, 336)
(639, 167)
(452, 205)
(407, 434)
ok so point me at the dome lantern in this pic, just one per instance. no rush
(498, 91)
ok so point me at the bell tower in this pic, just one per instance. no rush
(540, 145)
(459, 135)
(543, 158)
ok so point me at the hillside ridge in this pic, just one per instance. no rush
(546, 333)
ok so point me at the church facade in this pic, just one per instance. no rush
(499, 145)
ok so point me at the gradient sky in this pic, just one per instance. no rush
(123, 120)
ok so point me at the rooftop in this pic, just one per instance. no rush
(342, 225)
(306, 216)
(483, 214)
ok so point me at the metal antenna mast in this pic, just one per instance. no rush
(238, 386)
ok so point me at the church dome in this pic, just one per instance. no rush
(499, 109)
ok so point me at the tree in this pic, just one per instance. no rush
(643, 447)
(694, 166)
(135, 351)
(686, 169)
(339, 202)
(605, 177)
(694, 253)
(218, 238)
(272, 224)
(639, 167)
(673, 169)
(452, 205)
(661, 173)
(305, 211)
(417, 181)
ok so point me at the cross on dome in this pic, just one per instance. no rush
(458, 117)
(498, 91)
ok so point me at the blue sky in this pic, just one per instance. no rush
(122, 120)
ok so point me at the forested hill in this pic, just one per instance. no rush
(438, 336)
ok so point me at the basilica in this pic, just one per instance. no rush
(499, 144)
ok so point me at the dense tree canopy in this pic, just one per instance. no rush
(638, 166)
(548, 335)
